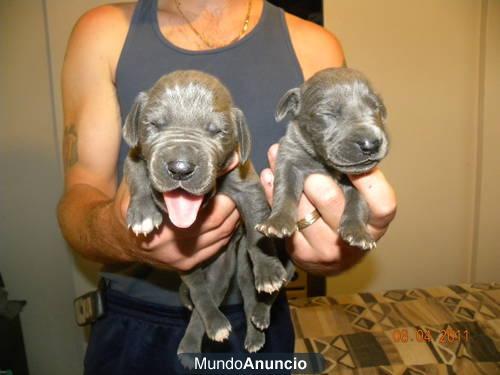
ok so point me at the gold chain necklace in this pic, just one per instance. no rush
(203, 38)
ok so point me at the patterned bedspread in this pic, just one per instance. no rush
(444, 330)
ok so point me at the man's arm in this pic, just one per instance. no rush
(316, 48)
(87, 213)
(319, 249)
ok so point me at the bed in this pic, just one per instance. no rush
(452, 329)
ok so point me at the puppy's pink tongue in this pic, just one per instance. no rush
(182, 207)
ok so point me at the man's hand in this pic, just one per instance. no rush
(181, 249)
(318, 248)
(95, 226)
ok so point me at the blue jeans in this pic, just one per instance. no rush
(138, 337)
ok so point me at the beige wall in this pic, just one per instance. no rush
(425, 58)
(33, 257)
(486, 260)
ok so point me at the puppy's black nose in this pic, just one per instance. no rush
(180, 169)
(369, 146)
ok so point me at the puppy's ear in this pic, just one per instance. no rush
(244, 139)
(382, 109)
(131, 127)
(289, 103)
(379, 102)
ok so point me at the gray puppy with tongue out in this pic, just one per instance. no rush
(183, 134)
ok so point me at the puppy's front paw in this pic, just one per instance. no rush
(255, 340)
(143, 216)
(270, 275)
(355, 234)
(278, 226)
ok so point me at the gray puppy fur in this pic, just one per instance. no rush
(337, 128)
(183, 133)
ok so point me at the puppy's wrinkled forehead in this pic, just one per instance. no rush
(187, 93)
(332, 86)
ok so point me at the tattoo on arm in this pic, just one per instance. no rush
(70, 146)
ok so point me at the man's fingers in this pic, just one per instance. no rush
(185, 264)
(376, 232)
(217, 211)
(379, 195)
(209, 238)
(300, 249)
(317, 235)
(267, 181)
(325, 194)
(184, 239)
(224, 230)
(206, 253)
(271, 156)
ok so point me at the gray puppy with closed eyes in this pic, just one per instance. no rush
(183, 134)
(337, 127)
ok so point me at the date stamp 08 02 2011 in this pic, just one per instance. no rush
(445, 336)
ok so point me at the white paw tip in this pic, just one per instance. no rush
(147, 225)
(277, 285)
(267, 288)
(221, 334)
(253, 349)
(257, 324)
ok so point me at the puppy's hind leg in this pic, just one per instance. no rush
(261, 315)
(143, 216)
(255, 338)
(216, 324)
(250, 199)
(216, 282)
(354, 219)
(192, 340)
(185, 297)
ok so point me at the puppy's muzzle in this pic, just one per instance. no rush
(180, 170)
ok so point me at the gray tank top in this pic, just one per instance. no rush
(258, 70)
